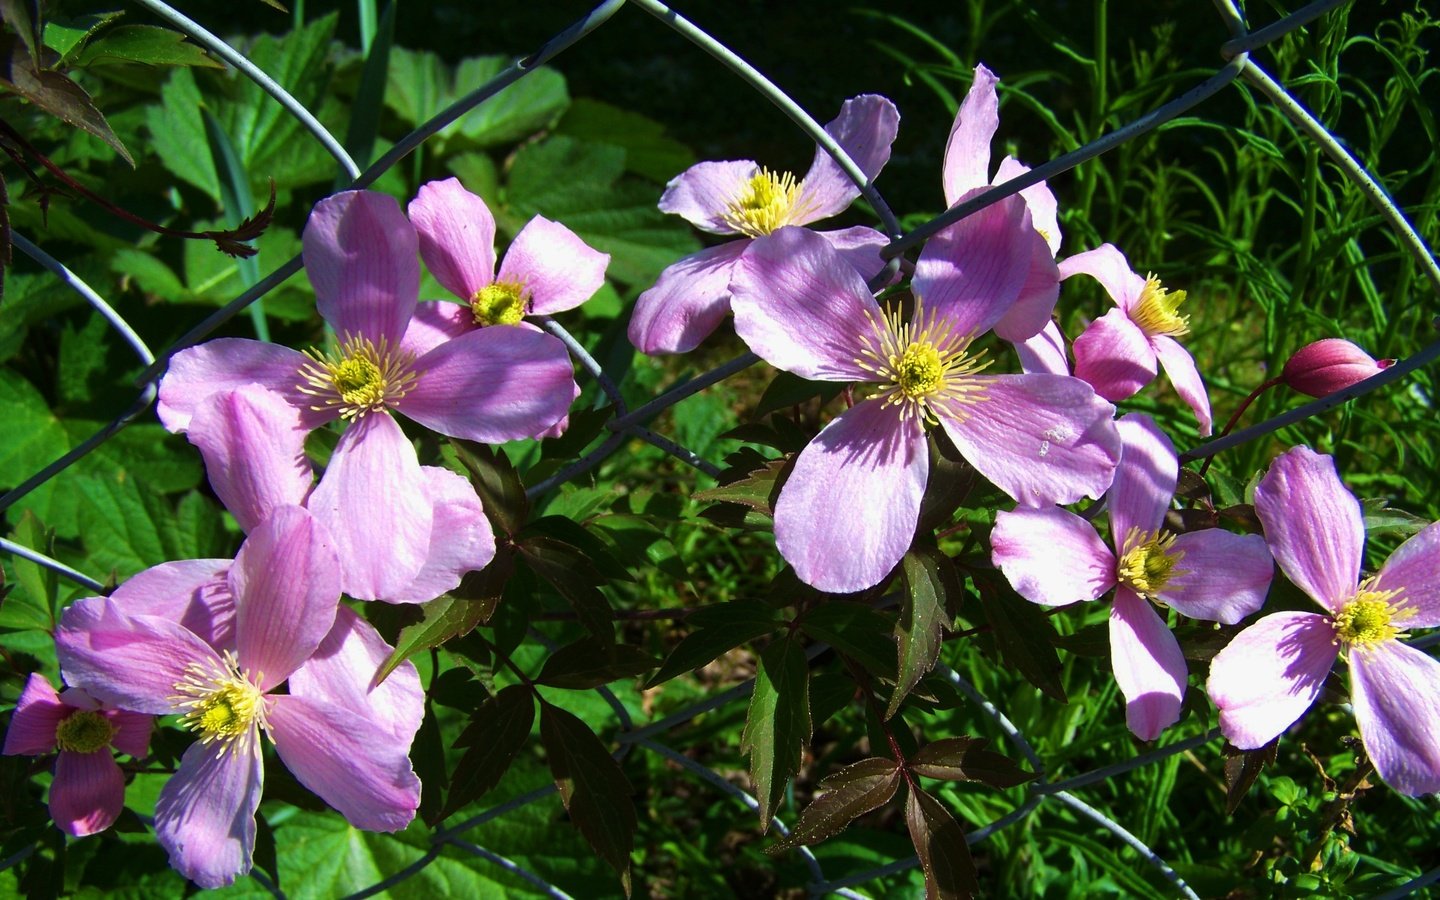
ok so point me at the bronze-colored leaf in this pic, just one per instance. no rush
(940, 843)
(966, 759)
(1242, 768)
(849, 793)
(594, 790)
(495, 736)
(777, 724)
(55, 93)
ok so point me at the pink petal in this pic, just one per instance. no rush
(493, 385)
(88, 792)
(434, 323)
(1107, 265)
(802, 308)
(1036, 303)
(1051, 556)
(1044, 211)
(973, 272)
(362, 771)
(254, 450)
(1269, 675)
(1044, 354)
(1313, 525)
(131, 662)
(371, 502)
(1414, 569)
(859, 246)
(1223, 577)
(342, 673)
(132, 731)
(461, 540)
(865, 129)
(37, 714)
(1179, 367)
(286, 581)
(1149, 667)
(205, 817)
(1114, 356)
(1039, 438)
(849, 510)
(456, 235)
(360, 252)
(193, 592)
(967, 152)
(1395, 691)
(214, 367)
(687, 303)
(560, 270)
(1145, 480)
(703, 193)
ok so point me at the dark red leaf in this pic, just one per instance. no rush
(851, 792)
(495, 735)
(966, 759)
(940, 844)
(594, 790)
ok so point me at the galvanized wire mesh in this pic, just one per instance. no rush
(628, 424)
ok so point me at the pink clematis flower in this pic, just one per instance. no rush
(89, 789)
(174, 641)
(966, 173)
(548, 268)
(850, 508)
(738, 197)
(254, 452)
(1325, 366)
(1118, 353)
(1054, 558)
(1272, 671)
(490, 385)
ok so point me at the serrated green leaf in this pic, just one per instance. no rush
(1380, 517)
(756, 490)
(446, 617)
(126, 526)
(587, 663)
(648, 151)
(721, 628)
(496, 733)
(33, 604)
(67, 36)
(147, 45)
(777, 724)
(177, 133)
(849, 793)
(921, 625)
(966, 759)
(940, 843)
(594, 790)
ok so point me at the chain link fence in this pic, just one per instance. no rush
(629, 424)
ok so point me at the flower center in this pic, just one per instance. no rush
(922, 365)
(501, 303)
(1149, 564)
(84, 731)
(1367, 618)
(1156, 311)
(765, 202)
(358, 377)
(220, 702)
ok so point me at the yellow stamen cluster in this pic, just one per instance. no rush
(221, 702)
(1156, 312)
(765, 202)
(922, 365)
(84, 731)
(361, 376)
(501, 303)
(1149, 562)
(1368, 618)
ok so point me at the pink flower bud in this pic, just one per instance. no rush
(1330, 365)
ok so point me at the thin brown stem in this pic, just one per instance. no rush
(1235, 417)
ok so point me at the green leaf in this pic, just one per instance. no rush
(777, 724)
(940, 844)
(127, 527)
(496, 733)
(587, 663)
(66, 36)
(446, 617)
(856, 630)
(921, 625)
(756, 490)
(56, 94)
(147, 45)
(177, 132)
(594, 790)
(30, 440)
(421, 86)
(648, 151)
(966, 759)
(1024, 637)
(495, 480)
(720, 629)
(34, 604)
(849, 793)
(1380, 517)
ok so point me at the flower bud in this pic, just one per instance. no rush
(1330, 365)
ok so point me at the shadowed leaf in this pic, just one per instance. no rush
(446, 617)
(55, 93)
(1024, 637)
(851, 792)
(501, 492)
(495, 735)
(856, 630)
(966, 759)
(589, 663)
(573, 577)
(921, 625)
(721, 628)
(595, 791)
(777, 725)
(940, 844)
(1242, 768)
